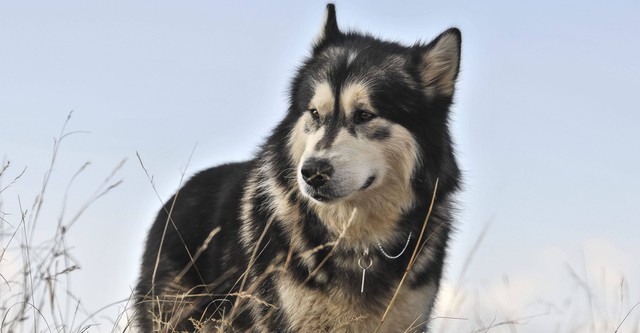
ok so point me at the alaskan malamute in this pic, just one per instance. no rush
(317, 233)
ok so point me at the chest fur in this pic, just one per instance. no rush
(337, 310)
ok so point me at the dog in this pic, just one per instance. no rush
(339, 223)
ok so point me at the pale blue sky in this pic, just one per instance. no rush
(546, 118)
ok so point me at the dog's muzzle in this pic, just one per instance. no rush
(316, 172)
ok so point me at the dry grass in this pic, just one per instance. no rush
(584, 305)
(36, 293)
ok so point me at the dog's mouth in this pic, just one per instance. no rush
(321, 197)
(326, 195)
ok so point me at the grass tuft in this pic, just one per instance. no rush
(35, 274)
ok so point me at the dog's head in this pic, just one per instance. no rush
(371, 115)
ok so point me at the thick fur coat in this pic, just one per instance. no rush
(317, 231)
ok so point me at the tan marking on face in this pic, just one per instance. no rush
(299, 141)
(356, 96)
(323, 99)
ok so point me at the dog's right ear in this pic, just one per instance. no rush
(330, 31)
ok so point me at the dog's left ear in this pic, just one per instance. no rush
(330, 31)
(439, 63)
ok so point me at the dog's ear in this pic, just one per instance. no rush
(439, 63)
(330, 31)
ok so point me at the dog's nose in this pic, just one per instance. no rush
(316, 172)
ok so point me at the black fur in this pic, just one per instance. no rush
(213, 198)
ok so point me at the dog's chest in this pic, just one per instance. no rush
(337, 310)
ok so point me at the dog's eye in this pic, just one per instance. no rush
(363, 116)
(314, 114)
